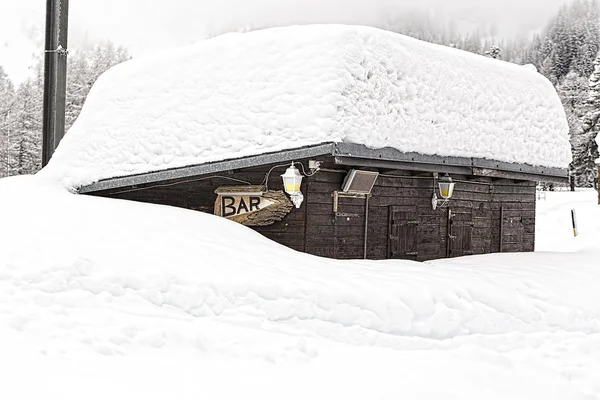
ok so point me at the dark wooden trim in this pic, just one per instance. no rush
(392, 154)
(366, 234)
(501, 238)
(401, 165)
(348, 154)
(517, 176)
(449, 216)
(522, 168)
(474, 172)
(209, 168)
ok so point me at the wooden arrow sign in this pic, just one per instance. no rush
(250, 206)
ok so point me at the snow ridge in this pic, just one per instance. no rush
(412, 308)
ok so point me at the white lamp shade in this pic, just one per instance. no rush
(292, 179)
(446, 187)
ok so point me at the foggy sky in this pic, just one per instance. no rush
(147, 26)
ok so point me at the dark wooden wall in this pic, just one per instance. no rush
(401, 222)
(401, 206)
(198, 193)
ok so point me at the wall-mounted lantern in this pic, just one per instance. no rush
(292, 179)
(446, 187)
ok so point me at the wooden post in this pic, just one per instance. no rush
(449, 233)
(501, 239)
(365, 248)
(55, 76)
(574, 222)
(598, 164)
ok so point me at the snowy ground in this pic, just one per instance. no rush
(111, 299)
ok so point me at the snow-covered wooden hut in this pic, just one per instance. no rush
(372, 120)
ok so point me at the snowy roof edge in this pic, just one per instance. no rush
(343, 152)
(208, 168)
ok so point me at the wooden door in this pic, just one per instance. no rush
(512, 231)
(403, 232)
(460, 233)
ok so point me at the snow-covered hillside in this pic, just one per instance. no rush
(276, 89)
(104, 298)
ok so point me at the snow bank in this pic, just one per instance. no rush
(245, 94)
(161, 300)
(554, 229)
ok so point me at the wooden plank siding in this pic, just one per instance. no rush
(476, 207)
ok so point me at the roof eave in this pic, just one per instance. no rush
(348, 154)
(209, 168)
(388, 157)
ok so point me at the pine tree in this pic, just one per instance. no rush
(532, 54)
(573, 91)
(26, 129)
(585, 36)
(570, 42)
(493, 52)
(585, 148)
(79, 82)
(473, 43)
(7, 100)
(565, 54)
(548, 68)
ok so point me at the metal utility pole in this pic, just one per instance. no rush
(55, 76)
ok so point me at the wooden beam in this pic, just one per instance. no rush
(209, 168)
(517, 176)
(402, 165)
(392, 154)
(348, 154)
(397, 172)
(517, 167)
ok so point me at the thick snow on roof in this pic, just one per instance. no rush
(245, 94)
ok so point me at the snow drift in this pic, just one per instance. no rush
(245, 94)
(129, 300)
